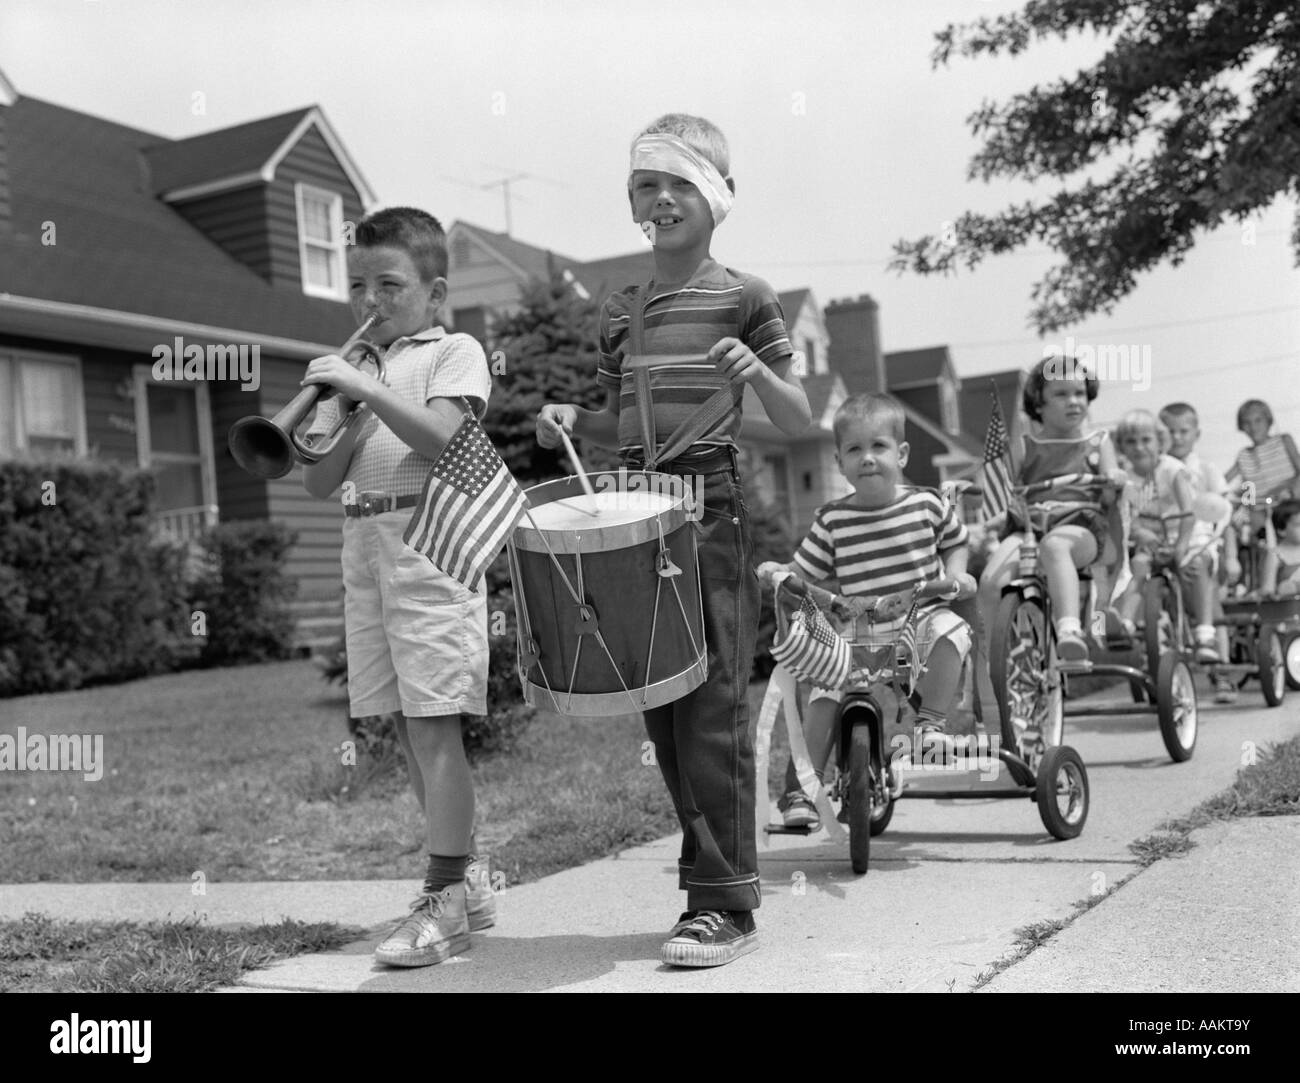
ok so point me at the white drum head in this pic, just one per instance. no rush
(600, 510)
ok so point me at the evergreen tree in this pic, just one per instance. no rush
(544, 352)
(1193, 112)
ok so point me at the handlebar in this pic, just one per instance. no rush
(854, 606)
(1073, 481)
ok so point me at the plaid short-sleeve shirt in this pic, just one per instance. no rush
(430, 365)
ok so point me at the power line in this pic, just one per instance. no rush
(1135, 327)
(1039, 250)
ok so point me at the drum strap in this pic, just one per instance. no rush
(706, 417)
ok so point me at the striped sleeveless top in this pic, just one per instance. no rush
(1267, 465)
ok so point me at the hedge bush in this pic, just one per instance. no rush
(86, 592)
(244, 594)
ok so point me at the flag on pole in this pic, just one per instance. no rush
(469, 506)
(995, 474)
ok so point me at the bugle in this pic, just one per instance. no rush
(267, 448)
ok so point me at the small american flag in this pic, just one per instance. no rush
(995, 474)
(469, 506)
(907, 644)
(812, 650)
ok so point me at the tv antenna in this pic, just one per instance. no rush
(504, 184)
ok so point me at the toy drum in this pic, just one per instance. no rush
(607, 593)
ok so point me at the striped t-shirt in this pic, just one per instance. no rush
(881, 550)
(1267, 465)
(685, 324)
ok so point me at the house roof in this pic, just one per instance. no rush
(599, 277)
(243, 154)
(526, 259)
(245, 148)
(819, 390)
(605, 276)
(792, 301)
(975, 400)
(119, 249)
(908, 368)
(959, 443)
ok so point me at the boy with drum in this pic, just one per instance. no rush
(416, 638)
(723, 330)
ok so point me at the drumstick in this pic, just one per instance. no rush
(582, 474)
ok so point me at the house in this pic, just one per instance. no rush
(121, 251)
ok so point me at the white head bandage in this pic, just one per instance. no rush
(668, 154)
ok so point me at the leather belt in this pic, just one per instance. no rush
(368, 504)
(708, 462)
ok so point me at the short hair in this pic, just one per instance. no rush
(1283, 512)
(1135, 421)
(1179, 411)
(416, 232)
(1063, 366)
(1253, 404)
(869, 407)
(696, 132)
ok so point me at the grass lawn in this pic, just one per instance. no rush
(236, 773)
(39, 955)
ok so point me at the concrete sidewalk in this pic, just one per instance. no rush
(1191, 923)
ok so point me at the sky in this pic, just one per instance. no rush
(844, 139)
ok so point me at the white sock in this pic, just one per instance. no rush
(1205, 633)
(1066, 626)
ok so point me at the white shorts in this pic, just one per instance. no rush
(932, 625)
(417, 639)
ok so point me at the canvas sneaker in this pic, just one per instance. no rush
(1207, 650)
(687, 917)
(1224, 691)
(798, 811)
(436, 929)
(480, 902)
(1070, 647)
(713, 938)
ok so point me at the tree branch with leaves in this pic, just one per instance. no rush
(1194, 109)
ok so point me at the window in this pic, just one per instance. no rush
(472, 321)
(40, 404)
(810, 354)
(174, 439)
(779, 473)
(320, 243)
(460, 252)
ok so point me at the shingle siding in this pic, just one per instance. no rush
(237, 222)
(4, 174)
(310, 162)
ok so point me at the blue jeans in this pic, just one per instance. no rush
(702, 741)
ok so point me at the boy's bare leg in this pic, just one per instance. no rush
(438, 757)
(412, 767)
(941, 681)
(819, 734)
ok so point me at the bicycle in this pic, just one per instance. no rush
(1028, 677)
(872, 771)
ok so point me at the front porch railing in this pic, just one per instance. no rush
(185, 524)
